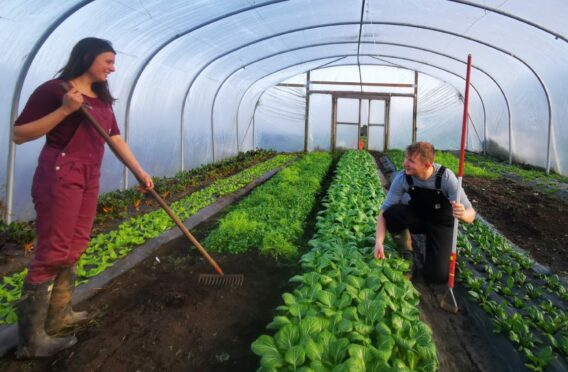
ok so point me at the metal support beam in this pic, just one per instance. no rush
(387, 124)
(32, 53)
(307, 112)
(388, 85)
(333, 122)
(415, 106)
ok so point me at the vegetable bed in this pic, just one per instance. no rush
(349, 312)
(157, 316)
(106, 248)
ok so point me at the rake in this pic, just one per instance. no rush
(453, 307)
(219, 279)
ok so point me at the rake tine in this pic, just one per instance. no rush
(214, 280)
(444, 306)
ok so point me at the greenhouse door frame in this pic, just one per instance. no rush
(360, 97)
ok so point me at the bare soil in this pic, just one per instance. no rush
(532, 219)
(158, 317)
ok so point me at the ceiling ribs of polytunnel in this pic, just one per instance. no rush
(372, 56)
(157, 50)
(512, 16)
(481, 42)
(427, 50)
(324, 44)
(55, 24)
(361, 23)
(418, 48)
(387, 64)
(16, 101)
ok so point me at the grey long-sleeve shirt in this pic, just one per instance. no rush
(398, 192)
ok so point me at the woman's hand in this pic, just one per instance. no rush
(72, 101)
(148, 182)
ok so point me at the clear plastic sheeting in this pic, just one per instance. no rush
(193, 77)
(280, 119)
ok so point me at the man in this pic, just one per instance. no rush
(423, 200)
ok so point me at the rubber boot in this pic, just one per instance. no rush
(403, 243)
(32, 312)
(60, 314)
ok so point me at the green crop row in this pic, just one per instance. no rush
(450, 161)
(272, 218)
(477, 165)
(526, 172)
(349, 312)
(121, 203)
(118, 204)
(105, 249)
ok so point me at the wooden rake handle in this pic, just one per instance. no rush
(142, 182)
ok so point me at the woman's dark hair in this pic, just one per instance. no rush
(81, 59)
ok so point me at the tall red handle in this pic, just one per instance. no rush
(454, 255)
(465, 116)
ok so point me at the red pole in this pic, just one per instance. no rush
(454, 255)
(465, 115)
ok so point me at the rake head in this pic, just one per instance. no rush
(451, 307)
(216, 280)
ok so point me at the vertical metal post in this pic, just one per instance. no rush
(213, 137)
(31, 54)
(333, 121)
(387, 125)
(125, 135)
(359, 125)
(510, 139)
(415, 107)
(253, 126)
(369, 125)
(182, 139)
(307, 112)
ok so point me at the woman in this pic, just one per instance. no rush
(65, 189)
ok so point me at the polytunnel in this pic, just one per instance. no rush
(200, 82)
(190, 74)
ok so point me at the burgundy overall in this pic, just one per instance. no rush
(65, 190)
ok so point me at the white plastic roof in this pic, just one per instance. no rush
(190, 73)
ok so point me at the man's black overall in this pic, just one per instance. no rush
(428, 212)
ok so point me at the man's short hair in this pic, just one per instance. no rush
(424, 149)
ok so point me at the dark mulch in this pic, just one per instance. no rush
(157, 317)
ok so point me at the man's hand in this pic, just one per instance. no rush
(379, 251)
(458, 210)
(461, 213)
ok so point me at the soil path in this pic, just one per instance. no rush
(157, 317)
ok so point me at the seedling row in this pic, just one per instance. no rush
(349, 312)
(106, 248)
